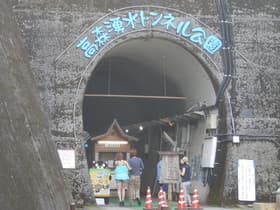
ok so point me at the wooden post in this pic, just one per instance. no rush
(169, 194)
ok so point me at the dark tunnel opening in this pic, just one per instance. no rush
(151, 83)
(133, 86)
(144, 80)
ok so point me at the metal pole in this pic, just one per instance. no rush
(137, 96)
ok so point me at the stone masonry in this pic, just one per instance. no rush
(47, 28)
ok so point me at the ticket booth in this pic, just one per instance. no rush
(103, 151)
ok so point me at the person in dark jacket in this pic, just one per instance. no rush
(164, 186)
(186, 173)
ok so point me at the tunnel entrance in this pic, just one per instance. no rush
(154, 88)
(144, 80)
(163, 74)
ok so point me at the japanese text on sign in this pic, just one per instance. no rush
(116, 26)
(67, 158)
(246, 180)
(169, 168)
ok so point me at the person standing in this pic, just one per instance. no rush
(164, 186)
(121, 176)
(134, 184)
(186, 172)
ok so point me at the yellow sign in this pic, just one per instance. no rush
(100, 179)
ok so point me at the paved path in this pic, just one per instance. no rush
(112, 207)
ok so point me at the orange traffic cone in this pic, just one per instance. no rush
(181, 201)
(195, 200)
(161, 199)
(148, 202)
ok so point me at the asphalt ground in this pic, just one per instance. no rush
(109, 207)
(114, 205)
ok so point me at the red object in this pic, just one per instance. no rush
(195, 200)
(181, 201)
(161, 199)
(148, 202)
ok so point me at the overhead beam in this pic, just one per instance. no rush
(136, 96)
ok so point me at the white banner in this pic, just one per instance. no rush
(246, 180)
(67, 158)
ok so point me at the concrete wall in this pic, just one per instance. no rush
(48, 27)
(256, 88)
(30, 171)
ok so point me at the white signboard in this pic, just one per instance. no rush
(67, 158)
(100, 201)
(246, 180)
(235, 139)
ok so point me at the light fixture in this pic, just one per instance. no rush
(141, 128)
(126, 130)
(112, 142)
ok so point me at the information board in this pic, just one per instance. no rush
(169, 167)
(100, 178)
(246, 180)
(67, 158)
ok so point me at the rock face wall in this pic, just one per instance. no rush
(48, 27)
(30, 171)
(255, 94)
